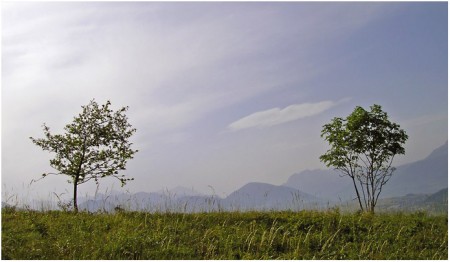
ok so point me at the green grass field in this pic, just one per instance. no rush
(227, 235)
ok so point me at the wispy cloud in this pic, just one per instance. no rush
(277, 116)
(69, 53)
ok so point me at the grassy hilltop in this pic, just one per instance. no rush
(222, 235)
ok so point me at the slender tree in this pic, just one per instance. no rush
(363, 147)
(95, 145)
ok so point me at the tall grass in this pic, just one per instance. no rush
(204, 229)
(222, 235)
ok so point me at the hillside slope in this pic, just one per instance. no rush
(325, 184)
(426, 176)
(262, 196)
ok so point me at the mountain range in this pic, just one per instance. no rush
(421, 177)
(434, 203)
(425, 176)
(310, 189)
(262, 196)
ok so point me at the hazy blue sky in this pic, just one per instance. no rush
(221, 93)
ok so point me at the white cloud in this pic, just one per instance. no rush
(276, 116)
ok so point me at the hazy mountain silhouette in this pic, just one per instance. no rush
(411, 185)
(262, 196)
(325, 184)
(433, 203)
(426, 176)
(181, 191)
(152, 201)
(440, 197)
(252, 196)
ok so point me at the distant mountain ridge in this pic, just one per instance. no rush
(252, 196)
(181, 191)
(433, 203)
(263, 196)
(309, 189)
(440, 151)
(325, 184)
(425, 176)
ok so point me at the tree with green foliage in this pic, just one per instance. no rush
(363, 147)
(95, 145)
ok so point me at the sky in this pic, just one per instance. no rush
(221, 93)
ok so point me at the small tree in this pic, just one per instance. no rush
(94, 145)
(363, 147)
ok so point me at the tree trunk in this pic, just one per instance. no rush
(372, 207)
(357, 193)
(75, 186)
